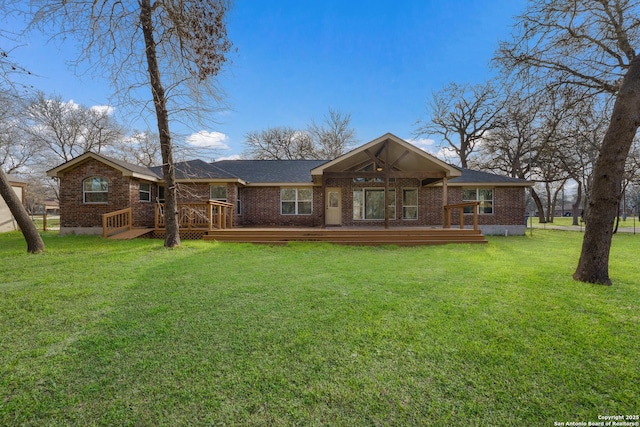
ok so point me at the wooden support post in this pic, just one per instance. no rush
(475, 216)
(446, 220)
(210, 216)
(386, 184)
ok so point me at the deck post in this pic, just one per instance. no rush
(475, 216)
(446, 213)
(210, 215)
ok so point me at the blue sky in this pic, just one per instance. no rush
(377, 60)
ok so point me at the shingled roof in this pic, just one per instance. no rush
(470, 176)
(264, 172)
(197, 169)
(271, 171)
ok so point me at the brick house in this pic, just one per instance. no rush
(350, 191)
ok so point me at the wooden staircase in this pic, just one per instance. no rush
(349, 236)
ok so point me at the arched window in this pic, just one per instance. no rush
(95, 189)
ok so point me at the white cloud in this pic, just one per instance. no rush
(426, 144)
(71, 104)
(103, 109)
(204, 139)
(231, 157)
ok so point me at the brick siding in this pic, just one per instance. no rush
(261, 207)
(123, 193)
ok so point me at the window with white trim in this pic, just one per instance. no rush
(296, 201)
(145, 192)
(482, 195)
(368, 203)
(409, 203)
(95, 189)
(218, 192)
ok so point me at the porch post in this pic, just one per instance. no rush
(323, 196)
(386, 184)
(444, 202)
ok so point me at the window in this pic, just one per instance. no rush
(370, 168)
(368, 203)
(482, 195)
(296, 201)
(409, 203)
(145, 192)
(218, 192)
(160, 194)
(95, 190)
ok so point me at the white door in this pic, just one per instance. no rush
(333, 205)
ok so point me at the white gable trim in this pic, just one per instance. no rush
(448, 169)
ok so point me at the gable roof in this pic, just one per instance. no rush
(127, 169)
(395, 151)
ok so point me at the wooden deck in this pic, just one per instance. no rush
(409, 236)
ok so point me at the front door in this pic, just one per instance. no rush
(333, 205)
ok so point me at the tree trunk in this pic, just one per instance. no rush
(172, 233)
(576, 206)
(551, 204)
(593, 266)
(538, 202)
(34, 241)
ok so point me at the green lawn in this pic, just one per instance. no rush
(566, 221)
(117, 333)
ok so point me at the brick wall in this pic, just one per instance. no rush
(123, 193)
(75, 213)
(143, 212)
(261, 207)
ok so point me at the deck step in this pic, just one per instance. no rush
(402, 237)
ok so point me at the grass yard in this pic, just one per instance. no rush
(568, 221)
(127, 333)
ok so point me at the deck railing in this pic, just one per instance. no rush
(208, 215)
(460, 206)
(116, 221)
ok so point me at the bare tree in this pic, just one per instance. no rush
(579, 149)
(280, 143)
(174, 48)
(461, 115)
(591, 44)
(141, 148)
(334, 136)
(62, 130)
(524, 144)
(28, 228)
(329, 139)
(16, 152)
